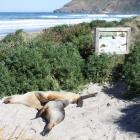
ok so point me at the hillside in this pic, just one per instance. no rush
(101, 6)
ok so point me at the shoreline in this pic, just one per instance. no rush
(33, 31)
(37, 22)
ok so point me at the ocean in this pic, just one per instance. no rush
(34, 22)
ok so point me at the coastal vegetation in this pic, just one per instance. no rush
(63, 58)
(132, 72)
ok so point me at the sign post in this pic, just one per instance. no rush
(113, 40)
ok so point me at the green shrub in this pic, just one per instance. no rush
(126, 20)
(41, 67)
(7, 82)
(59, 28)
(28, 67)
(84, 44)
(79, 35)
(98, 68)
(104, 68)
(132, 72)
(64, 33)
(13, 40)
(103, 23)
(66, 65)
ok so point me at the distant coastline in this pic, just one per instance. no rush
(101, 7)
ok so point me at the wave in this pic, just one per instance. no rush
(49, 16)
(41, 21)
(63, 16)
(124, 16)
(98, 15)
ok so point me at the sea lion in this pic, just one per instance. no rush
(37, 99)
(53, 113)
(28, 99)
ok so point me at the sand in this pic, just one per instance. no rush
(104, 117)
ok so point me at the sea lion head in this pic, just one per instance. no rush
(7, 100)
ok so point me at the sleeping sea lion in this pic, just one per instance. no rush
(37, 99)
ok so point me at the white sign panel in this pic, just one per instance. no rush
(113, 40)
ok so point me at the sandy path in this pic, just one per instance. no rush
(95, 120)
(99, 119)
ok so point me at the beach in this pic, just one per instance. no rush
(104, 117)
(34, 22)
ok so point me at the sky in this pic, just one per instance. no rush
(31, 5)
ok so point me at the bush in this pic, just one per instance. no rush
(41, 67)
(66, 65)
(79, 35)
(103, 23)
(7, 81)
(13, 40)
(104, 68)
(64, 33)
(98, 68)
(132, 72)
(28, 68)
(126, 20)
(84, 44)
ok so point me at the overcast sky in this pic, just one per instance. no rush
(31, 5)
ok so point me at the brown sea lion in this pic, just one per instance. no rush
(53, 113)
(37, 99)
